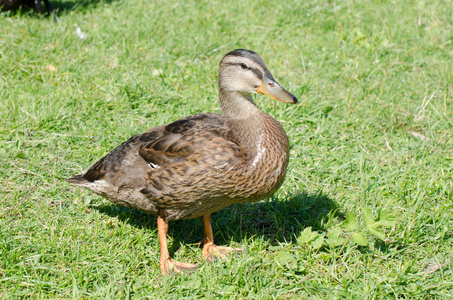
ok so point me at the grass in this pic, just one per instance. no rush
(366, 208)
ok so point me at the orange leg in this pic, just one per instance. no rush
(167, 264)
(210, 250)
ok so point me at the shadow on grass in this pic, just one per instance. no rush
(64, 7)
(59, 7)
(274, 220)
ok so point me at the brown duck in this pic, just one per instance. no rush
(202, 163)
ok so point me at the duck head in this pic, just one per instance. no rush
(243, 71)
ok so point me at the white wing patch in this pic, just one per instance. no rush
(153, 166)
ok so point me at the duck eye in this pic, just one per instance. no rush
(244, 66)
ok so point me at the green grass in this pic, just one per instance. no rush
(371, 142)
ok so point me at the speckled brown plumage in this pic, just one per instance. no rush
(205, 162)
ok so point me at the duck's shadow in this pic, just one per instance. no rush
(63, 7)
(274, 220)
(59, 7)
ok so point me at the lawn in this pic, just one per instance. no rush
(366, 210)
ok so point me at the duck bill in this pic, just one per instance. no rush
(271, 88)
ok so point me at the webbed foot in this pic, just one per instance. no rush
(170, 266)
(212, 251)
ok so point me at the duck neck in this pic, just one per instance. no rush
(252, 129)
(238, 106)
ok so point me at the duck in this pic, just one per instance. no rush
(202, 163)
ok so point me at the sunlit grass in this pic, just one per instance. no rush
(371, 138)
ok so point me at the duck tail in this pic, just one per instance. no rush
(78, 180)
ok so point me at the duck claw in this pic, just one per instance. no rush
(170, 266)
(212, 251)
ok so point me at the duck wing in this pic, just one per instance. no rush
(179, 170)
(175, 142)
(191, 153)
